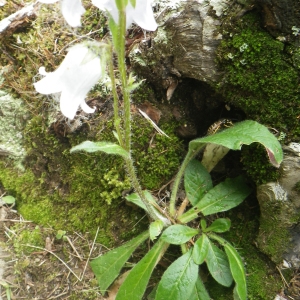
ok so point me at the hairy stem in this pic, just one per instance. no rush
(126, 139)
(117, 120)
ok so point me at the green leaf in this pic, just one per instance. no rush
(178, 234)
(237, 271)
(108, 266)
(199, 292)
(200, 249)
(197, 181)
(222, 197)
(244, 133)
(218, 265)
(135, 198)
(9, 199)
(136, 282)
(60, 234)
(178, 281)
(107, 147)
(155, 229)
(203, 224)
(219, 225)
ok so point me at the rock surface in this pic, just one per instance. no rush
(185, 43)
(279, 234)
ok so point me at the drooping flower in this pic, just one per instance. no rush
(141, 14)
(78, 73)
(72, 10)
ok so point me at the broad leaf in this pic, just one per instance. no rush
(136, 282)
(218, 265)
(246, 132)
(219, 225)
(222, 197)
(155, 229)
(199, 292)
(178, 234)
(106, 147)
(178, 281)
(200, 249)
(237, 271)
(108, 266)
(197, 181)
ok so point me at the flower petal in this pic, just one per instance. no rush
(78, 79)
(142, 14)
(50, 84)
(86, 108)
(72, 11)
(109, 6)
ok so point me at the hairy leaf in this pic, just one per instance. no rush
(136, 282)
(178, 234)
(200, 249)
(135, 198)
(197, 181)
(155, 229)
(108, 266)
(178, 281)
(218, 265)
(106, 147)
(246, 132)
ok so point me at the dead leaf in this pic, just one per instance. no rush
(114, 288)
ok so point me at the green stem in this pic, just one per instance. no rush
(126, 139)
(190, 155)
(123, 77)
(116, 98)
(136, 185)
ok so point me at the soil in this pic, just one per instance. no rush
(58, 270)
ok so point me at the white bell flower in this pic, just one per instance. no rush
(141, 14)
(78, 73)
(72, 10)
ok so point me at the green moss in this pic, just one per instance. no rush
(256, 163)
(259, 77)
(24, 238)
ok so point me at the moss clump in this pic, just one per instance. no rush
(157, 158)
(258, 77)
(257, 165)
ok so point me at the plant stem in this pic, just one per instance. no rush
(117, 120)
(126, 139)
(123, 77)
(136, 185)
(190, 155)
